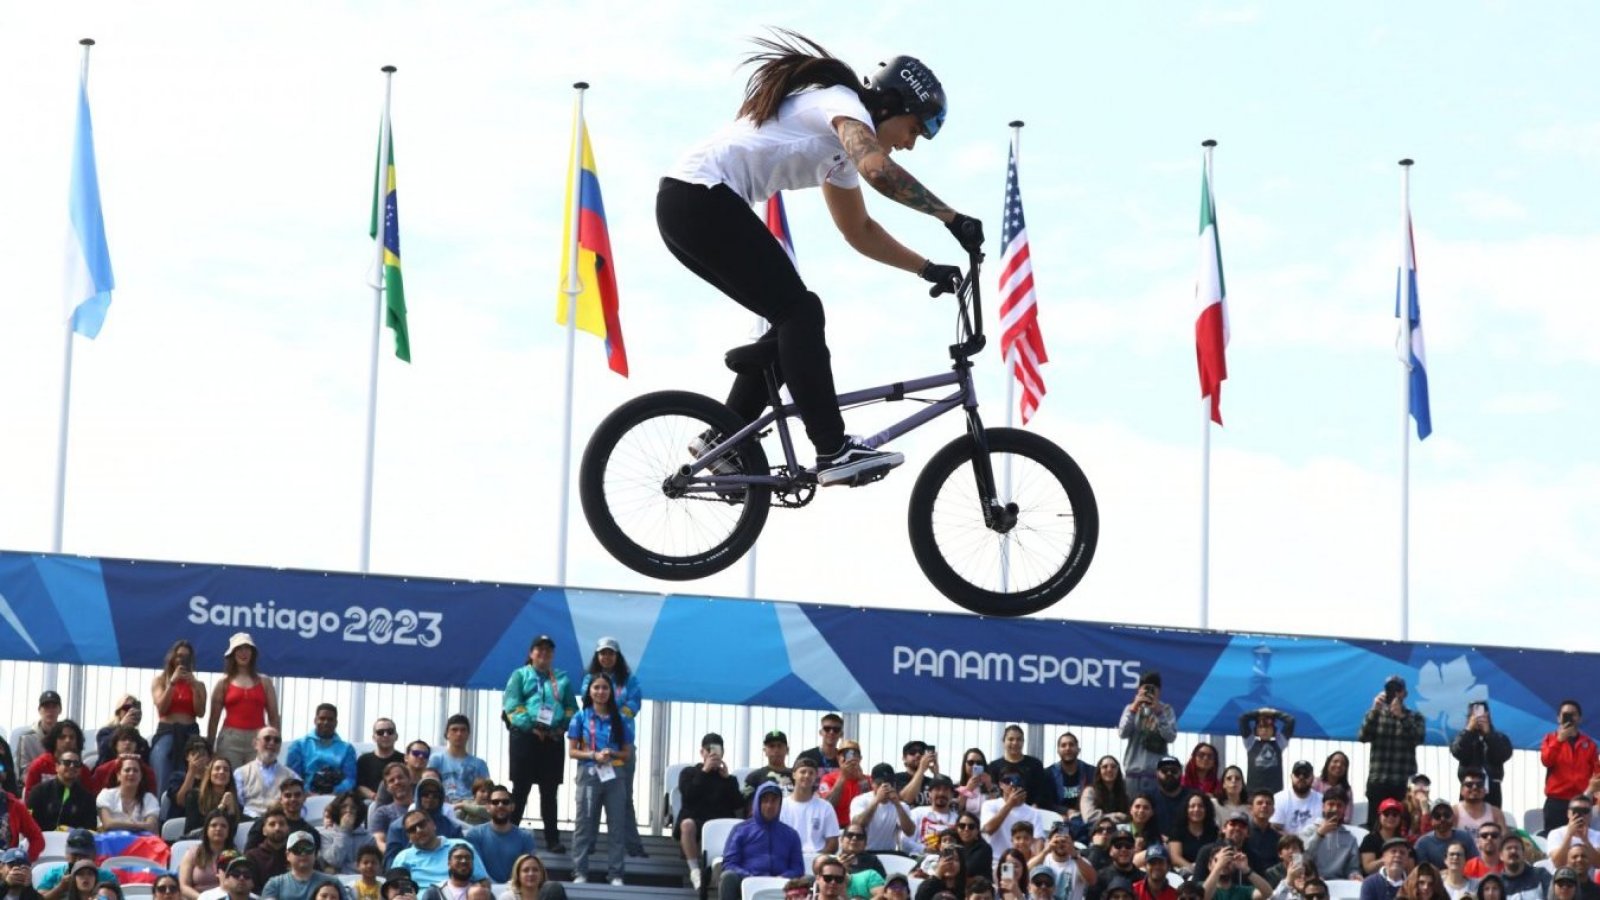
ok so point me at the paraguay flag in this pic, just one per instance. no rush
(598, 309)
(1416, 358)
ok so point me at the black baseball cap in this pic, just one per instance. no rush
(544, 640)
(883, 772)
(776, 737)
(1169, 762)
(1303, 766)
(913, 747)
(49, 698)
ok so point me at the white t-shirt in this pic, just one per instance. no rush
(1294, 813)
(1069, 881)
(218, 893)
(797, 149)
(111, 799)
(1001, 839)
(926, 820)
(814, 820)
(883, 829)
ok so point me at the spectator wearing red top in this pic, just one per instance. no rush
(1571, 760)
(20, 825)
(844, 784)
(1487, 862)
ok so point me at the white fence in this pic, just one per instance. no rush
(670, 732)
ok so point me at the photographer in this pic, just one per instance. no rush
(881, 813)
(1231, 878)
(1571, 761)
(1480, 746)
(1148, 725)
(708, 792)
(1393, 733)
(1073, 874)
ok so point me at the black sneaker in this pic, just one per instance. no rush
(723, 465)
(855, 464)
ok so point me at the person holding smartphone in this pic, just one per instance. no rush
(1571, 761)
(1393, 733)
(1478, 746)
(708, 792)
(1149, 726)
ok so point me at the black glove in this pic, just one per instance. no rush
(945, 278)
(968, 232)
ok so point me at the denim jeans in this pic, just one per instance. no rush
(593, 796)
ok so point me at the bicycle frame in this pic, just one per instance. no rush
(970, 341)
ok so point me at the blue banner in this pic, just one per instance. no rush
(705, 649)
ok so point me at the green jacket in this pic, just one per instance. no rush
(527, 691)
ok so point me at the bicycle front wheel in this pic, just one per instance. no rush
(651, 529)
(1017, 568)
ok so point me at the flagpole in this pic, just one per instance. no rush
(58, 525)
(382, 192)
(1011, 389)
(573, 288)
(1205, 455)
(1406, 302)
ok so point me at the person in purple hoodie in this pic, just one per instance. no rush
(760, 845)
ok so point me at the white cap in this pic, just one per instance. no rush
(608, 643)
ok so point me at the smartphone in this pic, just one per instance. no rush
(1008, 870)
(930, 749)
(1477, 707)
(1297, 861)
(714, 749)
(977, 768)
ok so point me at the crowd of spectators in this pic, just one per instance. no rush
(322, 821)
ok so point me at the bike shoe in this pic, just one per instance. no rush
(723, 465)
(855, 464)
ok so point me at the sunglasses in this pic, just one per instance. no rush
(419, 754)
(832, 729)
(833, 879)
(1469, 785)
(494, 802)
(303, 849)
(415, 827)
(241, 875)
(384, 732)
(70, 763)
(1043, 882)
(1488, 835)
(965, 826)
(1389, 812)
(271, 739)
(1440, 814)
(166, 889)
(853, 835)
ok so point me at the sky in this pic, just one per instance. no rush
(220, 416)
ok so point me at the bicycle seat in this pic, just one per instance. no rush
(752, 358)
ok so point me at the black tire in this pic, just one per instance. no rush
(620, 484)
(1048, 551)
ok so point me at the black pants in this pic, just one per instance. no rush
(1376, 794)
(716, 235)
(1555, 814)
(542, 763)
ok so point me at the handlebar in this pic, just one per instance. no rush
(969, 329)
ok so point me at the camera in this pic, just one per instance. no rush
(1569, 717)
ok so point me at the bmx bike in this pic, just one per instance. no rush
(1001, 521)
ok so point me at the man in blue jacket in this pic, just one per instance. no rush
(760, 845)
(325, 760)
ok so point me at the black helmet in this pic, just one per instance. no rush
(907, 86)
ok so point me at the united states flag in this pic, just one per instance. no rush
(1021, 343)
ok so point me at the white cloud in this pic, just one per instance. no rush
(1491, 207)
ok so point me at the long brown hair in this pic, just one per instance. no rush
(787, 62)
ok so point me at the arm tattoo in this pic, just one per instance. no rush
(885, 176)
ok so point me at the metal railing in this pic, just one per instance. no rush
(670, 732)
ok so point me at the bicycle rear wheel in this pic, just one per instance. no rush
(1029, 566)
(622, 484)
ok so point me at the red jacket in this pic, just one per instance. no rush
(20, 824)
(1569, 764)
(1141, 891)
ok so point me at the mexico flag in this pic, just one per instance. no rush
(1211, 297)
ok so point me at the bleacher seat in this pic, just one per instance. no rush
(315, 804)
(1359, 832)
(138, 890)
(674, 798)
(1343, 889)
(180, 849)
(364, 747)
(55, 845)
(1358, 811)
(16, 735)
(1546, 864)
(895, 864)
(762, 887)
(1533, 820)
(172, 830)
(741, 773)
(713, 838)
(241, 833)
(1047, 820)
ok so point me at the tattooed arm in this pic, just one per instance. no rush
(883, 173)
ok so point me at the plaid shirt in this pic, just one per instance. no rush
(1394, 739)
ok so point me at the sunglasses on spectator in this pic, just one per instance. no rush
(240, 874)
(70, 763)
(496, 801)
(420, 754)
(127, 706)
(165, 889)
(832, 729)
(302, 849)
(1472, 785)
(384, 732)
(271, 739)
(852, 835)
(1041, 881)
(965, 826)
(1390, 812)
(833, 879)
(1440, 813)
(1488, 834)
(415, 827)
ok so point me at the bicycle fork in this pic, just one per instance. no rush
(999, 517)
